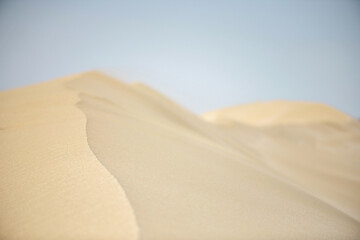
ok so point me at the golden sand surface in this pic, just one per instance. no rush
(90, 157)
(278, 112)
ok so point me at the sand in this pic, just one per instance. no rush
(278, 112)
(89, 157)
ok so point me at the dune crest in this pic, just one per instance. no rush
(52, 186)
(278, 112)
(123, 162)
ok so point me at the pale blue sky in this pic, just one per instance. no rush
(203, 54)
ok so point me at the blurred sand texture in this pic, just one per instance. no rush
(90, 157)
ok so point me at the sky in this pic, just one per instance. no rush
(202, 54)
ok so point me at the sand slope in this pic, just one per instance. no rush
(52, 186)
(278, 112)
(88, 157)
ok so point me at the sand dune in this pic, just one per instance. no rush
(89, 157)
(278, 112)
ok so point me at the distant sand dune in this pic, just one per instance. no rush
(279, 112)
(89, 157)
